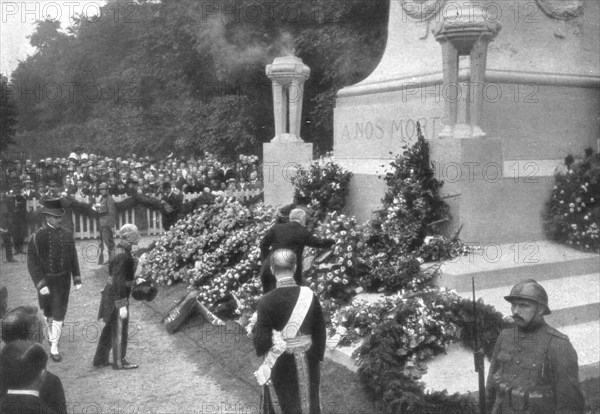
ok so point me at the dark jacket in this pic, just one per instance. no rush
(293, 236)
(52, 393)
(541, 362)
(121, 269)
(52, 252)
(24, 404)
(274, 311)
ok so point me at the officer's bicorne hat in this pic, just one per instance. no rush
(53, 207)
(144, 291)
(530, 290)
(22, 362)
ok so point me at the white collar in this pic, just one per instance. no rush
(35, 393)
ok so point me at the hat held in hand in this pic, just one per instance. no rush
(144, 291)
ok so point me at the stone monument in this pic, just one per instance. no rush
(286, 150)
(503, 91)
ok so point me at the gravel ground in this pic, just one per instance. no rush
(176, 374)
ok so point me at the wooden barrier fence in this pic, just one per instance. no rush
(148, 221)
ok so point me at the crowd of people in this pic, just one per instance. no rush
(85, 180)
(80, 174)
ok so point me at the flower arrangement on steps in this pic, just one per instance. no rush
(215, 251)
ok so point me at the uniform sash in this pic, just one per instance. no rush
(263, 374)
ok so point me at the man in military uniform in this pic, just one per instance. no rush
(534, 367)
(52, 262)
(114, 304)
(290, 334)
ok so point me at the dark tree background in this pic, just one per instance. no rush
(8, 115)
(188, 76)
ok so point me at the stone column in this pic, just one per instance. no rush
(286, 150)
(467, 33)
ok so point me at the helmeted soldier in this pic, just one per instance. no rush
(52, 263)
(534, 367)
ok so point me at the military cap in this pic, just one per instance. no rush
(53, 207)
(103, 186)
(529, 290)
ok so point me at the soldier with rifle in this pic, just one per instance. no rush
(534, 367)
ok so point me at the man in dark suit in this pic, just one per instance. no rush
(290, 334)
(52, 262)
(22, 323)
(114, 305)
(23, 364)
(293, 236)
(171, 203)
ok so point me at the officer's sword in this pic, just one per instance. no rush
(478, 355)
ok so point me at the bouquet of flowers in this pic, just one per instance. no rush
(572, 214)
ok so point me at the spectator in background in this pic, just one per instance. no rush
(23, 323)
(4, 233)
(107, 213)
(171, 203)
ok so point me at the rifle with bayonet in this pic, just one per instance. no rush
(479, 356)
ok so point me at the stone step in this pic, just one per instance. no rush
(490, 277)
(573, 300)
(441, 370)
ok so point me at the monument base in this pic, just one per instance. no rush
(280, 160)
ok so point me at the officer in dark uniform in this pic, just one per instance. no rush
(293, 314)
(17, 205)
(52, 263)
(114, 304)
(534, 367)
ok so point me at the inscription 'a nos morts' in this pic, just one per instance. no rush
(397, 129)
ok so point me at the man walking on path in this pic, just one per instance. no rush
(293, 236)
(114, 305)
(534, 367)
(290, 334)
(52, 262)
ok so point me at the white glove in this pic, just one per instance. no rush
(123, 312)
(44, 291)
(78, 286)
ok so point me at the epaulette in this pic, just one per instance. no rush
(556, 333)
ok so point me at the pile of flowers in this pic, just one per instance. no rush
(572, 214)
(335, 274)
(214, 250)
(325, 184)
(412, 205)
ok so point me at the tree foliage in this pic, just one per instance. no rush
(155, 76)
(8, 116)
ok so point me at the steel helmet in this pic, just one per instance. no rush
(529, 290)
